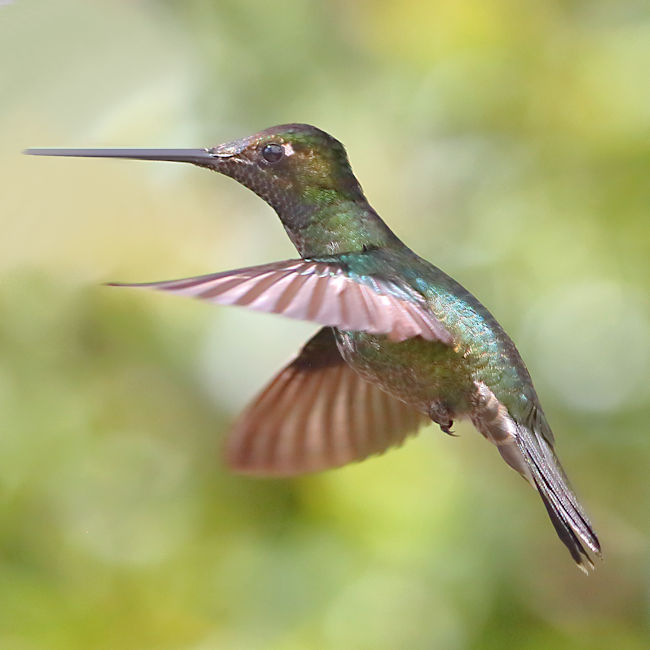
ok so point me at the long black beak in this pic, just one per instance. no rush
(196, 156)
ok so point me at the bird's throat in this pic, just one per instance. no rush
(332, 226)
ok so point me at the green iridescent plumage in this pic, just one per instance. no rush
(401, 342)
(482, 350)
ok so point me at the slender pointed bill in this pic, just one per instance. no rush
(195, 156)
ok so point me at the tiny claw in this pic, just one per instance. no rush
(447, 429)
(442, 415)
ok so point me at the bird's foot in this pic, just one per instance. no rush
(443, 417)
(447, 429)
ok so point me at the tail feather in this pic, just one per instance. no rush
(527, 446)
(569, 519)
(566, 535)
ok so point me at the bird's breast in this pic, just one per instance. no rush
(415, 371)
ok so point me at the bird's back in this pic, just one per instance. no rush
(481, 345)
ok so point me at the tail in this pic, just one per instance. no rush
(569, 519)
(528, 448)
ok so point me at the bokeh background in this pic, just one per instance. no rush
(507, 141)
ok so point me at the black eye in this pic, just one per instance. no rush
(272, 152)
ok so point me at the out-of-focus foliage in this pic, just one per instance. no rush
(507, 141)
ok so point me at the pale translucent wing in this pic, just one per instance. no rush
(315, 414)
(316, 291)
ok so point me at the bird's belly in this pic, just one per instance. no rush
(418, 372)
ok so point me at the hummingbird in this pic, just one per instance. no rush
(401, 343)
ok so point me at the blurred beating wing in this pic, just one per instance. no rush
(317, 413)
(316, 291)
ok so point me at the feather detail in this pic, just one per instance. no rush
(315, 414)
(527, 447)
(316, 291)
(567, 515)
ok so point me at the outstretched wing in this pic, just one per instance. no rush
(315, 414)
(317, 291)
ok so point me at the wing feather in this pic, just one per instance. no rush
(317, 291)
(317, 413)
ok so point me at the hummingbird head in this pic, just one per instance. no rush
(301, 171)
(296, 168)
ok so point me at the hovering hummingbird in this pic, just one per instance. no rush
(401, 341)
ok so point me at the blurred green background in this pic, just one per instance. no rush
(506, 141)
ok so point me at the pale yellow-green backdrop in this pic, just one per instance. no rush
(507, 141)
